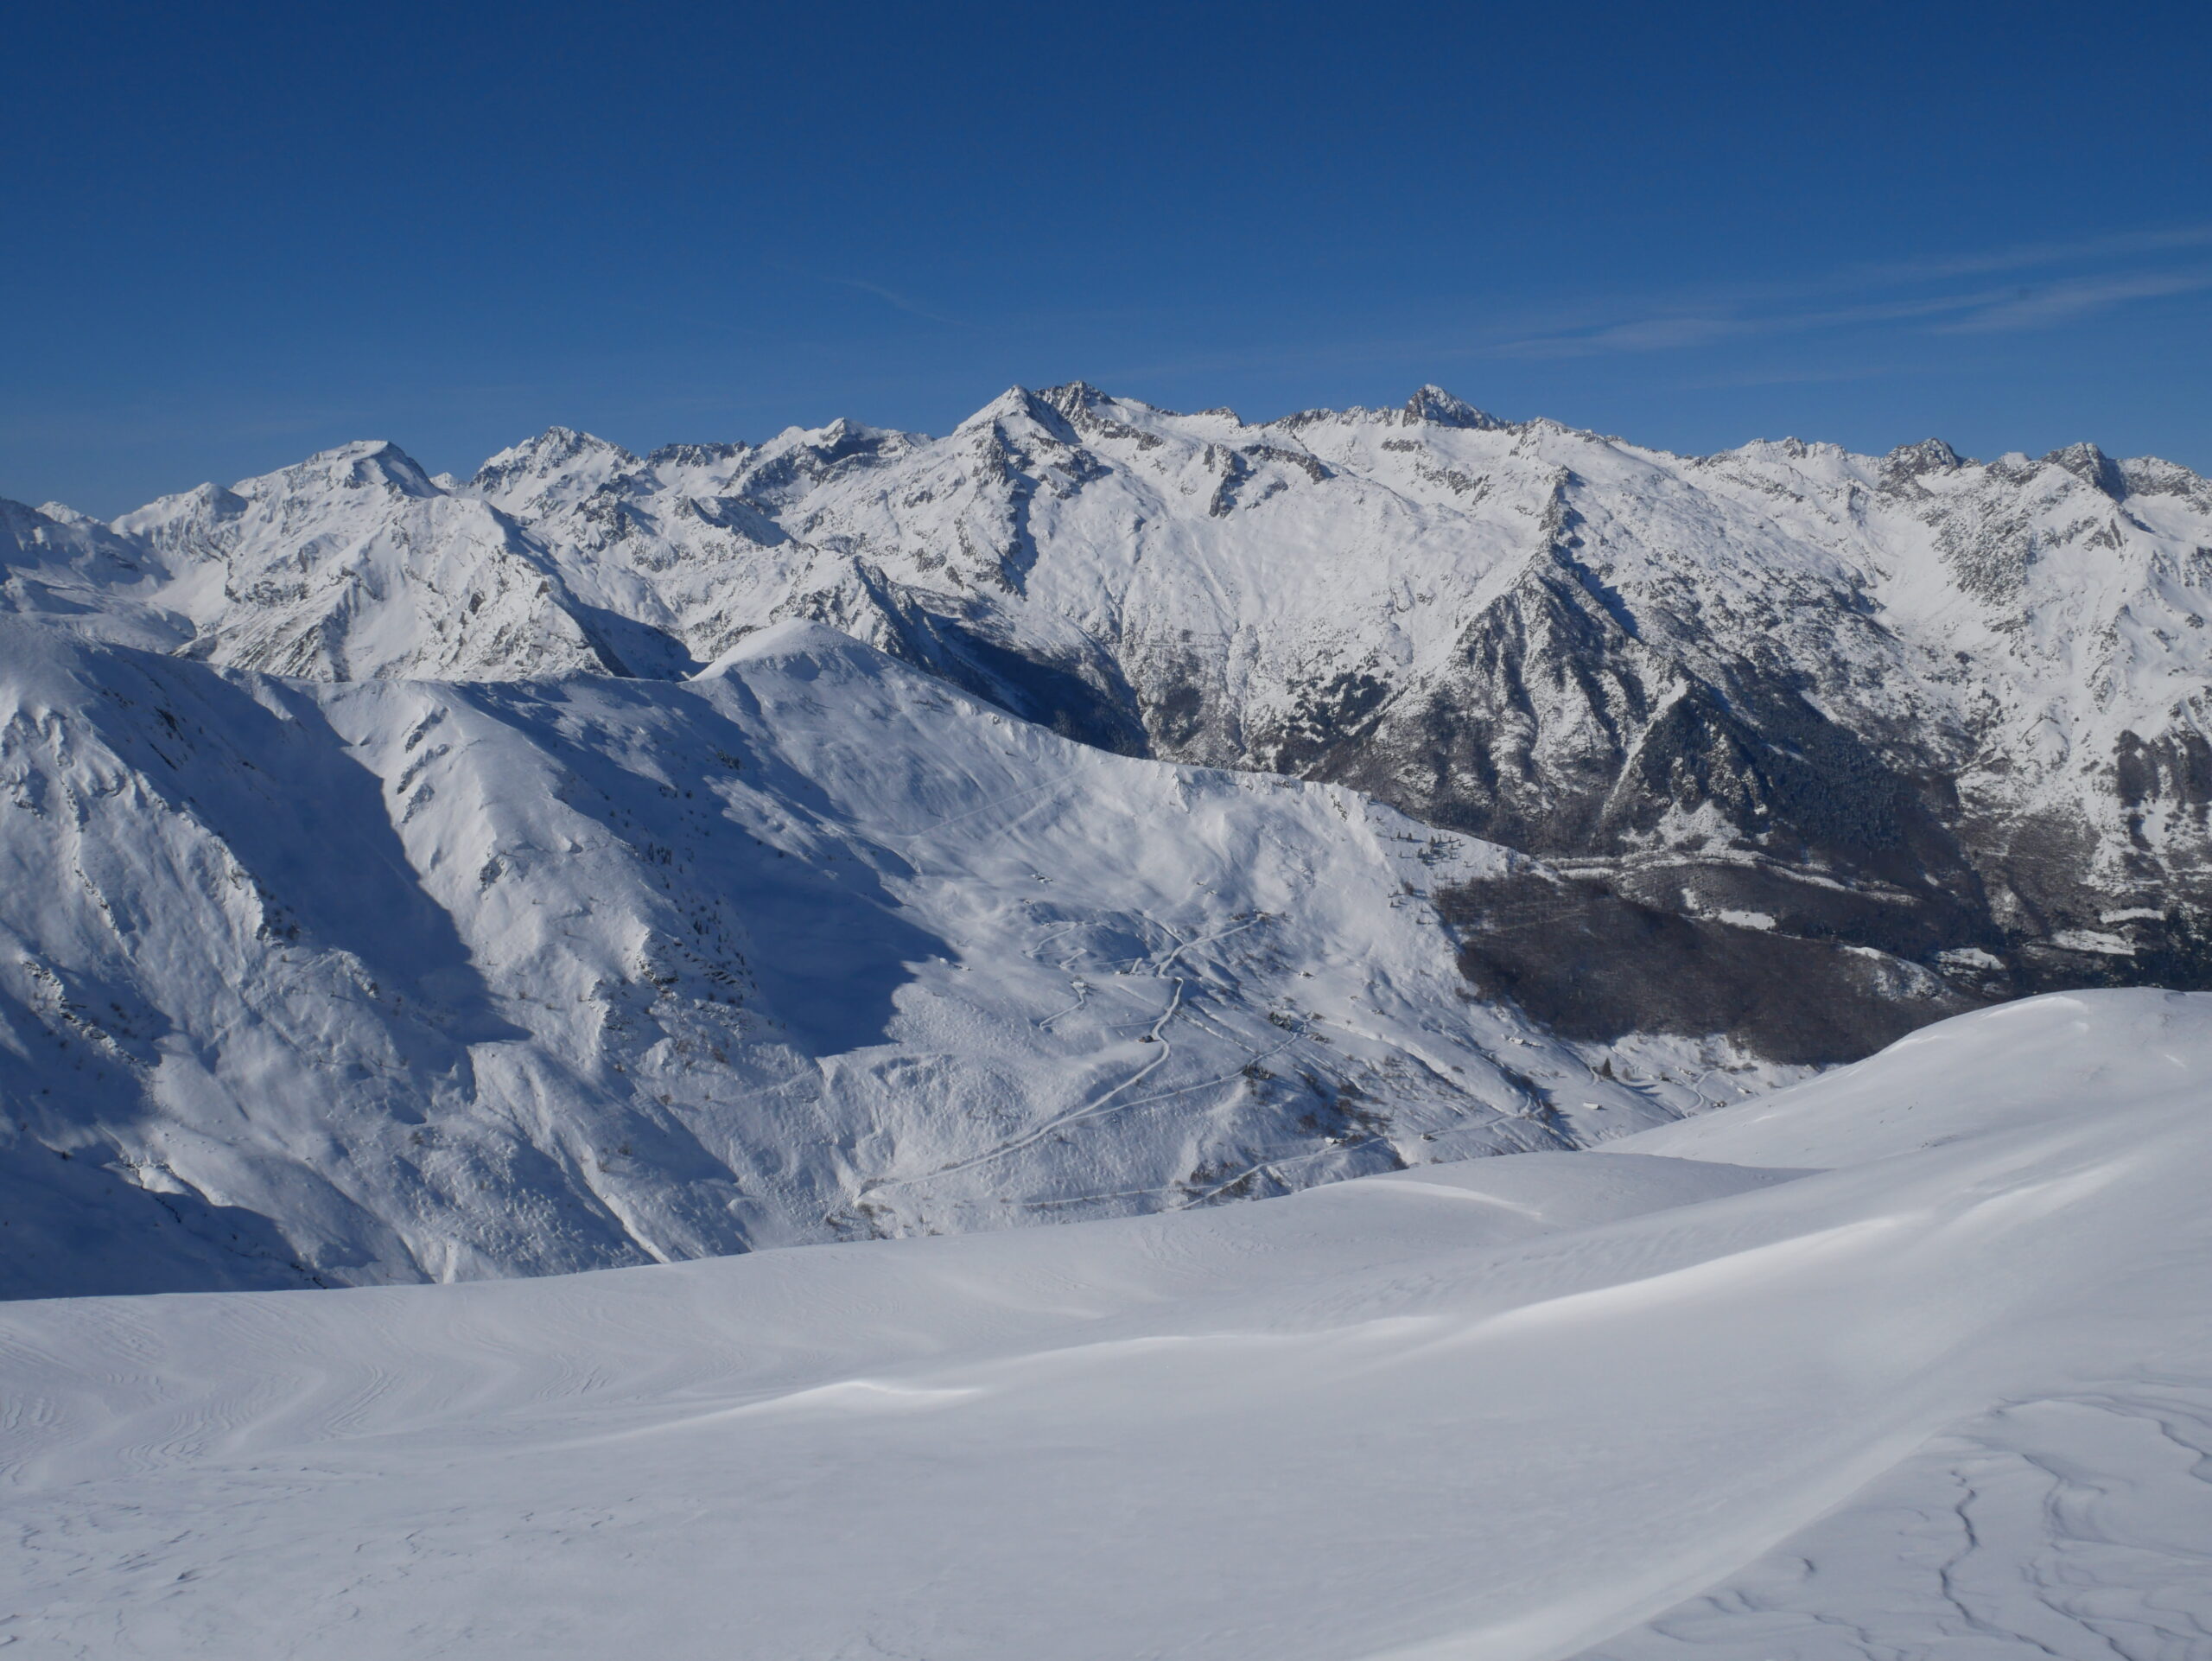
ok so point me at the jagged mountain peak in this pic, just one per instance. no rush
(201, 496)
(1533, 432)
(1438, 408)
(1069, 397)
(2091, 466)
(553, 448)
(1097, 415)
(68, 569)
(54, 529)
(1017, 408)
(365, 464)
(185, 521)
(839, 435)
(1928, 455)
(2152, 476)
(558, 468)
(21, 517)
(799, 458)
(691, 456)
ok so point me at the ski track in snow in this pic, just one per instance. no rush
(1090, 1110)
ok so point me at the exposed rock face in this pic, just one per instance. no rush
(1845, 742)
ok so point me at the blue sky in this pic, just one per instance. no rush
(237, 233)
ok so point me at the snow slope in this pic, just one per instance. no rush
(1911, 1359)
(66, 571)
(332, 983)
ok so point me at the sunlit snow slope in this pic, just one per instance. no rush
(311, 982)
(1912, 1360)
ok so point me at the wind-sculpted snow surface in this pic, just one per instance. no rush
(1913, 1359)
(331, 983)
(1817, 746)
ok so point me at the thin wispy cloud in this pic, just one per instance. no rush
(2034, 255)
(1690, 322)
(1821, 377)
(1675, 332)
(2063, 302)
(899, 301)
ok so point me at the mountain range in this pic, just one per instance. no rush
(1098, 809)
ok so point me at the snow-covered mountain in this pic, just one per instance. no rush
(418, 877)
(341, 983)
(1913, 1361)
(354, 565)
(1762, 712)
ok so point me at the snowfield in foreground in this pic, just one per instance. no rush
(1912, 1360)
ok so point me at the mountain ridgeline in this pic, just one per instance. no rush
(1809, 747)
